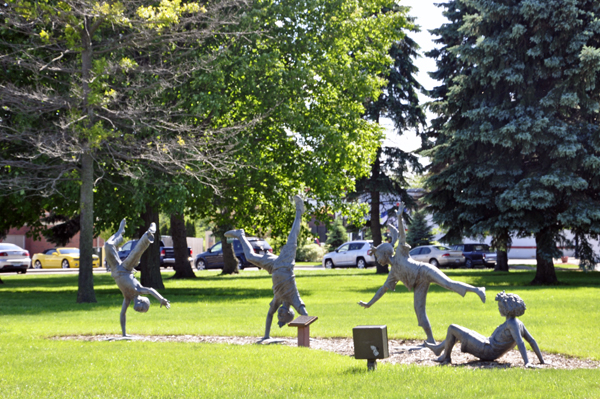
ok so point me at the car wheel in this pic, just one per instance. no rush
(435, 263)
(360, 263)
(65, 264)
(328, 264)
(469, 263)
(24, 271)
(37, 264)
(200, 265)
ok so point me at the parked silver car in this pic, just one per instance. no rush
(437, 255)
(353, 253)
(13, 258)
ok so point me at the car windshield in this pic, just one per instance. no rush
(69, 251)
(9, 247)
(482, 247)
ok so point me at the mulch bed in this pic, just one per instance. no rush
(401, 351)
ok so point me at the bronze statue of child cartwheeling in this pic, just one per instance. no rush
(416, 276)
(505, 337)
(123, 273)
(285, 292)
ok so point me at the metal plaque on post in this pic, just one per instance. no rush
(371, 343)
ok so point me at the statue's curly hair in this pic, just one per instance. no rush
(512, 304)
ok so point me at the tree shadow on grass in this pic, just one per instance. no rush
(35, 301)
(498, 281)
(49, 282)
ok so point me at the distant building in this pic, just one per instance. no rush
(19, 237)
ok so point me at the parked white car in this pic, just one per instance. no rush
(437, 255)
(13, 259)
(350, 254)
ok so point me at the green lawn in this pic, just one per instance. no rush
(563, 319)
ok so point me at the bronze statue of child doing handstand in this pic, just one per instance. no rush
(281, 268)
(123, 273)
(505, 337)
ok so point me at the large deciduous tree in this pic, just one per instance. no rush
(519, 149)
(91, 86)
(310, 73)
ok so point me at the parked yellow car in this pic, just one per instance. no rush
(60, 257)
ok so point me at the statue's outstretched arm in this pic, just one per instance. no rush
(533, 344)
(155, 294)
(401, 230)
(126, 303)
(394, 233)
(516, 335)
(375, 298)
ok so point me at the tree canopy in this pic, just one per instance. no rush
(231, 107)
(518, 149)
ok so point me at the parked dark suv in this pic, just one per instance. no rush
(477, 254)
(213, 258)
(167, 254)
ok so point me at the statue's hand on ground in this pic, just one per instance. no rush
(531, 366)
(165, 303)
(364, 304)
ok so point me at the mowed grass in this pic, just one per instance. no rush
(563, 319)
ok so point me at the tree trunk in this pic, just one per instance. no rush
(85, 288)
(546, 248)
(502, 243)
(182, 266)
(501, 261)
(85, 291)
(229, 259)
(374, 212)
(150, 261)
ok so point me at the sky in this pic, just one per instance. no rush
(428, 16)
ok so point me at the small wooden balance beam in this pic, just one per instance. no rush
(303, 323)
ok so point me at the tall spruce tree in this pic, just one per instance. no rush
(399, 101)
(419, 230)
(519, 149)
(450, 66)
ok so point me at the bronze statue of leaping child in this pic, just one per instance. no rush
(416, 276)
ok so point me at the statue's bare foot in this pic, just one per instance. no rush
(481, 293)
(150, 232)
(121, 230)
(299, 204)
(235, 234)
(443, 359)
(436, 348)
